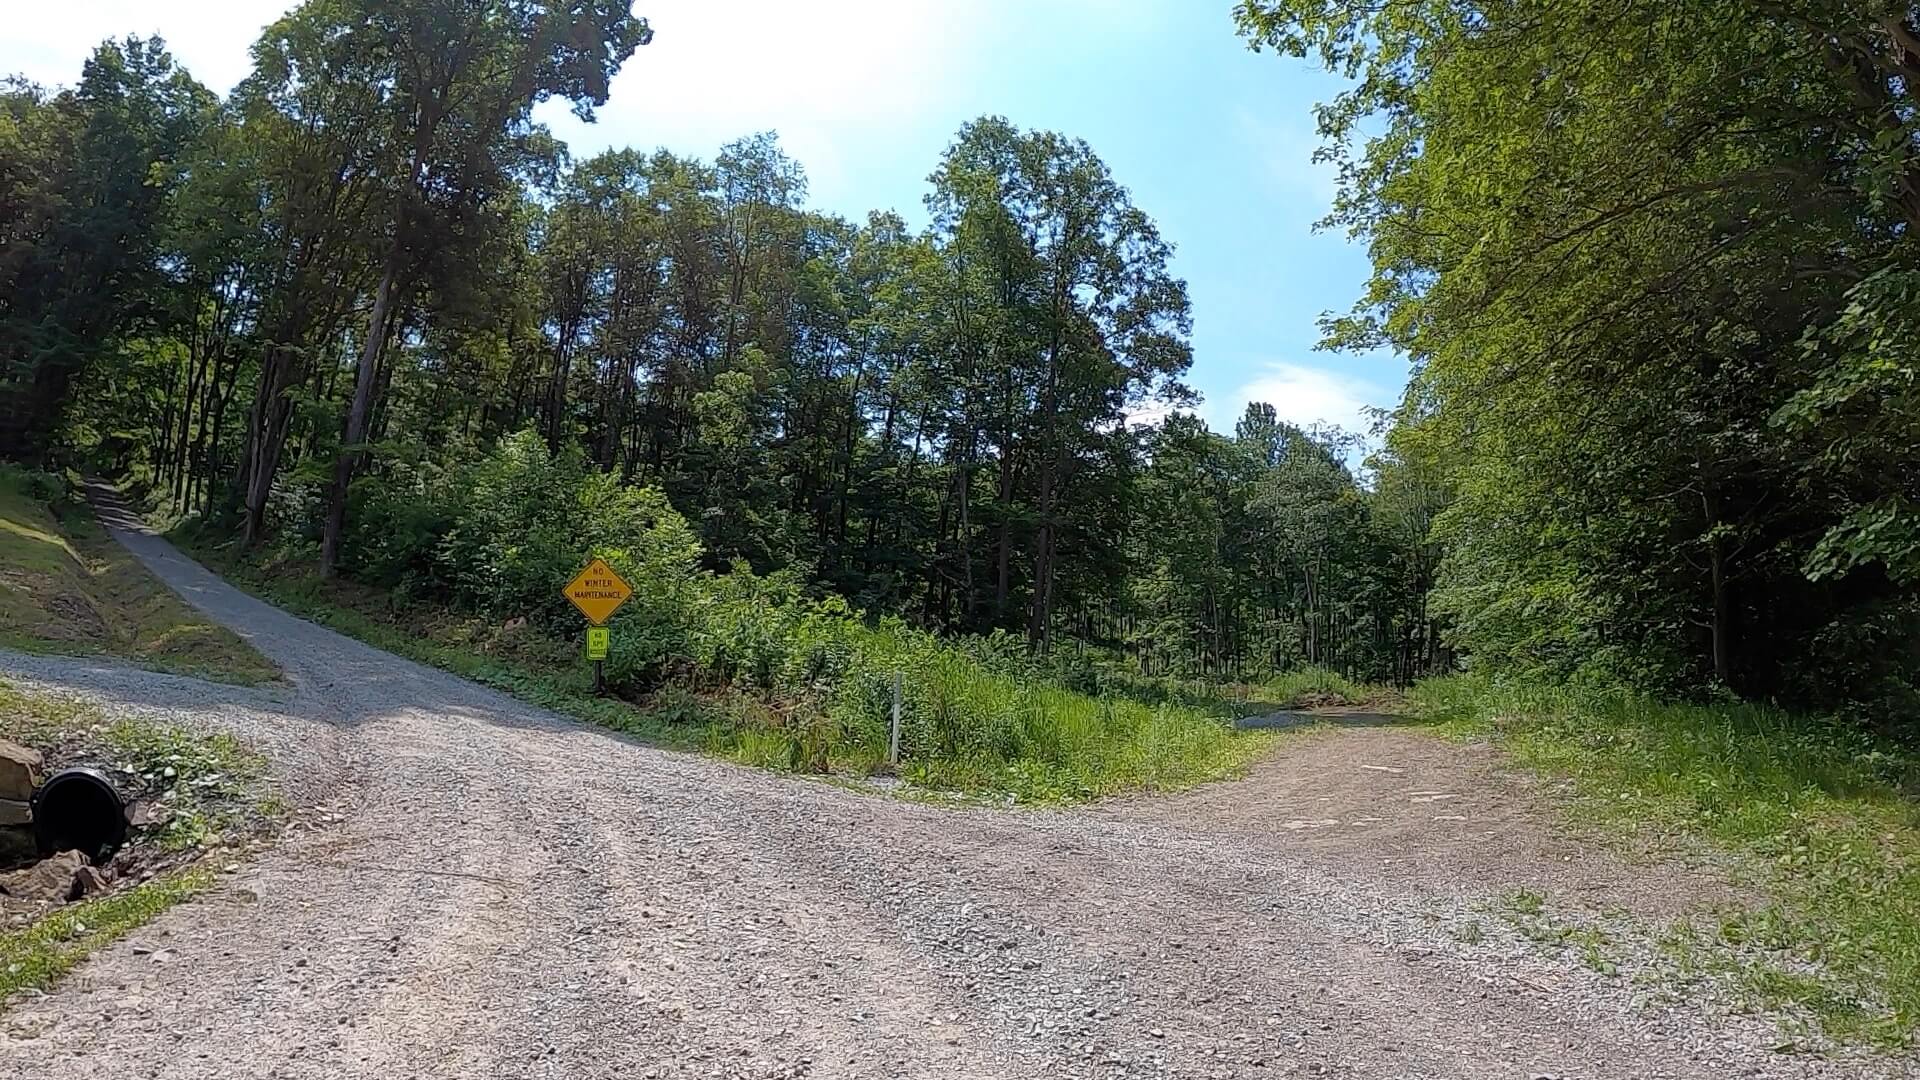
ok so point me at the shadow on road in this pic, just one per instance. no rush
(1298, 718)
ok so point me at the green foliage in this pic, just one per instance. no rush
(205, 785)
(1824, 813)
(376, 316)
(84, 198)
(1862, 417)
(1308, 684)
(1660, 318)
(758, 669)
(1283, 558)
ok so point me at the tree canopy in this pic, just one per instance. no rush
(1650, 261)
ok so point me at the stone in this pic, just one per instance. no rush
(15, 812)
(89, 881)
(48, 879)
(19, 770)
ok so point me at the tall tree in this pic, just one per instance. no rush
(460, 79)
(93, 172)
(1081, 320)
(1603, 232)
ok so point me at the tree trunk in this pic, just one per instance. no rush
(357, 413)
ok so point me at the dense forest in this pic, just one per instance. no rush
(301, 310)
(1650, 262)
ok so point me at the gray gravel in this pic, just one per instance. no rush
(482, 889)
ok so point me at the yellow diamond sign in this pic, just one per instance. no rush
(598, 592)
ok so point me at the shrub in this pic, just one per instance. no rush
(792, 680)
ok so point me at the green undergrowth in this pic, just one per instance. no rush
(767, 678)
(201, 786)
(67, 588)
(1106, 673)
(1822, 817)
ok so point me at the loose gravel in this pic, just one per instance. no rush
(477, 888)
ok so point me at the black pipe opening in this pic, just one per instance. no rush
(80, 810)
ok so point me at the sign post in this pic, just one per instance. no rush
(598, 592)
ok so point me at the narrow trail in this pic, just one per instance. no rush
(489, 890)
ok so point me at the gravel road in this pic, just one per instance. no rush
(482, 889)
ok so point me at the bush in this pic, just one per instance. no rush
(394, 524)
(791, 680)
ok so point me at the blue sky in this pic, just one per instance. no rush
(1214, 141)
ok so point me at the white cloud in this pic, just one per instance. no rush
(48, 42)
(1303, 396)
(816, 73)
(1151, 414)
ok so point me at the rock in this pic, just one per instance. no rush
(17, 846)
(89, 881)
(16, 812)
(49, 879)
(19, 770)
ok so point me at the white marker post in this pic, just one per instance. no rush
(893, 742)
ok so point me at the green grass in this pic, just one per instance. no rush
(1299, 688)
(1822, 817)
(1022, 737)
(66, 588)
(31, 958)
(1526, 902)
(1315, 685)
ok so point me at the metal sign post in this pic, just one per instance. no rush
(893, 740)
(599, 643)
(598, 592)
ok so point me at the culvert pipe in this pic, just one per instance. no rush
(79, 809)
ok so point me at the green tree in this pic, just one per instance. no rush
(458, 85)
(89, 175)
(1602, 232)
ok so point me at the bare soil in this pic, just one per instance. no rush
(1436, 815)
(478, 888)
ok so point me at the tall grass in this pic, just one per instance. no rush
(773, 680)
(67, 588)
(1824, 814)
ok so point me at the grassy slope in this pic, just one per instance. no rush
(67, 588)
(1823, 818)
(1088, 747)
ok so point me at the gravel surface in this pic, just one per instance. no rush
(478, 888)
